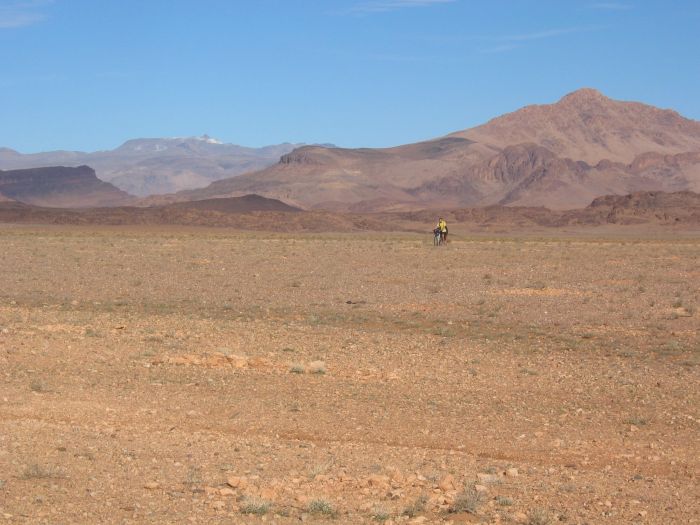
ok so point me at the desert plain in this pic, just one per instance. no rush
(184, 375)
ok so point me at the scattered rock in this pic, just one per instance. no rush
(512, 472)
(259, 363)
(237, 482)
(378, 480)
(152, 485)
(237, 361)
(395, 494)
(447, 483)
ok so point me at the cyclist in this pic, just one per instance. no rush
(442, 226)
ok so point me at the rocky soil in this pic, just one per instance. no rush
(201, 376)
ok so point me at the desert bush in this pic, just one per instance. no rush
(381, 514)
(36, 471)
(468, 500)
(38, 386)
(321, 506)
(504, 501)
(255, 506)
(416, 507)
(538, 517)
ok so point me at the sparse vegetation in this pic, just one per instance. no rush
(255, 506)
(416, 507)
(321, 506)
(194, 476)
(538, 517)
(468, 500)
(381, 514)
(36, 471)
(38, 386)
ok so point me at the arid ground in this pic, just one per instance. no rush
(208, 376)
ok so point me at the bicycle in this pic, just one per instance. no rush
(437, 237)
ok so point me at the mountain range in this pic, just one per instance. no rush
(560, 155)
(163, 165)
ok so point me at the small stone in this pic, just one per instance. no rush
(237, 361)
(377, 480)
(218, 505)
(237, 482)
(643, 513)
(419, 519)
(395, 494)
(447, 483)
(481, 488)
(512, 472)
(396, 476)
(227, 492)
(520, 517)
(152, 485)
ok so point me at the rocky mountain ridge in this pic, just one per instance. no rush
(559, 155)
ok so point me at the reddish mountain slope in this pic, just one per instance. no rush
(560, 156)
(586, 125)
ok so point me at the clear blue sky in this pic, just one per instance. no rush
(89, 74)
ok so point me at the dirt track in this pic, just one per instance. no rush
(215, 377)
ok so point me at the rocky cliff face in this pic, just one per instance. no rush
(60, 187)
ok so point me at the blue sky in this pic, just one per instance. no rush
(87, 74)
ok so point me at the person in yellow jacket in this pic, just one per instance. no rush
(442, 226)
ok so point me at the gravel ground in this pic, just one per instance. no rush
(185, 376)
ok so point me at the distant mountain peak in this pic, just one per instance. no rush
(585, 95)
(209, 140)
